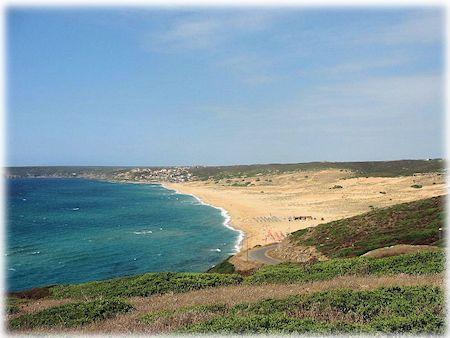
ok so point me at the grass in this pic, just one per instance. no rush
(414, 264)
(145, 285)
(223, 267)
(71, 315)
(408, 223)
(166, 282)
(151, 318)
(13, 305)
(388, 310)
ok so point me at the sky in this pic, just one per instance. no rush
(149, 86)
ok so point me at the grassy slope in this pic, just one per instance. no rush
(390, 310)
(223, 267)
(414, 264)
(408, 223)
(103, 303)
(144, 285)
(71, 315)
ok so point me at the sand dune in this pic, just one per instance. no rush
(263, 209)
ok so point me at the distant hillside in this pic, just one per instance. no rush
(420, 222)
(374, 168)
(65, 171)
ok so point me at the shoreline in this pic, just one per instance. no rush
(225, 214)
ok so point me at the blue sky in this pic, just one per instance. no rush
(183, 87)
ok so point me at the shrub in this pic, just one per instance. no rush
(414, 309)
(417, 263)
(417, 186)
(152, 317)
(70, 315)
(145, 285)
(223, 267)
(407, 223)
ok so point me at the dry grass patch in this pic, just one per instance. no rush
(400, 249)
(233, 295)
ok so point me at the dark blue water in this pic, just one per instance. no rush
(73, 230)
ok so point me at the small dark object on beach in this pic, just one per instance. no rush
(417, 186)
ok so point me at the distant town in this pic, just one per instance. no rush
(175, 175)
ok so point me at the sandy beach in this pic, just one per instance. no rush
(265, 210)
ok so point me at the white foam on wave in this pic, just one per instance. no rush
(143, 232)
(223, 212)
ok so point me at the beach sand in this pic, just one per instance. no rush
(263, 209)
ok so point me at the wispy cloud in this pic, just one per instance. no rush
(249, 69)
(359, 66)
(424, 28)
(208, 31)
(372, 100)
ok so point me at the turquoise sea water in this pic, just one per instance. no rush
(73, 230)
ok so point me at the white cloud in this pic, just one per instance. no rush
(373, 100)
(201, 32)
(424, 28)
(364, 65)
(249, 69)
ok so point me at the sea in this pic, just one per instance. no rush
(62, 231)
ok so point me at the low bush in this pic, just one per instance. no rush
(152, 317)
(145, 285)
(414, 309)
(71, 315)
(271, 323)
(415, 223)
(13, 305)
(223, 267)
(417, 263)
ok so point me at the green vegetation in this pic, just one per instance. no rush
(145, 285)
(363, 169)
(241, 184)
(13, 305)
(223, 267)
(270, 323)
(152, 317)
(414, 223)
(414, 264)
(417, 186)
(62, 171)
(70, 315)
(389, 310)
